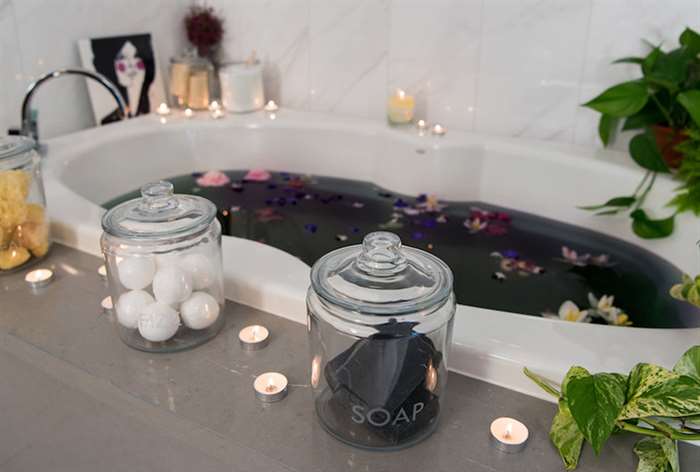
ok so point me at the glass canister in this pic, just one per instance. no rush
(24, 226)
(380, 325)
(163, 259)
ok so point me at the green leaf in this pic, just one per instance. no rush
(656, 455)
(690, 100)
(646, 228)
(647, 116)
(566, 436)
(655, 391)
(670, 69)
(621, 100)
(691, 40)
(607, 126)
(621, 202)
(628, 60)
(595, 402)
(689, 363)
(575, 372)
(644, 151)
(650, 60)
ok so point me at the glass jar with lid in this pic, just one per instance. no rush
(163, 259)
(380, 325)
(24, 226)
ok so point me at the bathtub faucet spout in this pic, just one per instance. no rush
(29, 123)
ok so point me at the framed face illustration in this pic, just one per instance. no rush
(129, 62)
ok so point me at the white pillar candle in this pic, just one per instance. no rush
(508, 434)
(242, 87)
(270, 387)
(254, 337)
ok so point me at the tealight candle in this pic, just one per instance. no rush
(214, 105)
(271, 106)
(189, 113)
(39, 278)
(422, 126)
(254, 337)
(509, 435)
(218, 113)
(163, 109)
(106, 304)
(270, 387)
(439, 130)
(400, 107)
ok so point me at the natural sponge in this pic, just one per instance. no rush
(13, 256)
(14, 185)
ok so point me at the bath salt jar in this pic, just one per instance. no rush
(380, 324)
(163, 257)
(24, 225)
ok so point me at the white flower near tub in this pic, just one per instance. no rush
(605, 308)
(569, 311)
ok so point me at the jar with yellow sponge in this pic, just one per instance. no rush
(24, 226)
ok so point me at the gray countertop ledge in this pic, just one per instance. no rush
(74, 397)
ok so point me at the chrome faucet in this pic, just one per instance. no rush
(29, 124)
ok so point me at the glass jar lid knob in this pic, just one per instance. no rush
(381, 254)
(157, 196)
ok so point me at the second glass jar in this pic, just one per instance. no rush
(163, 258)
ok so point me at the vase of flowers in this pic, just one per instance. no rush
(193, 77)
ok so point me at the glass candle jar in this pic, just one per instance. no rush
(380, 325)
(163, 259)
(24, 226)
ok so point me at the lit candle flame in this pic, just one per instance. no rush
(271, 387)
(188, 112)
(509, 431)
(401, 94)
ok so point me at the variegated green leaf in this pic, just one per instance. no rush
(595, 402)
(575, 372)
(693, 295)
(566, 436)
(654, 453)
(655, 391)
(689, 363)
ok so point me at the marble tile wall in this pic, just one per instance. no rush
(505, 67)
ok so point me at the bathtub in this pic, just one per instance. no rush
(85, 169)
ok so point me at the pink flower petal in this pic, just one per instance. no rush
(257, 175)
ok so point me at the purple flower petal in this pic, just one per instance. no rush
(311, 228)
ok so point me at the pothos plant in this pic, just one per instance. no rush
(661, 406)
(663, 105)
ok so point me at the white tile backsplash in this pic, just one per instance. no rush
(507, 67)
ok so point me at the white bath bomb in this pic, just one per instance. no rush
(130, 305)
(201, 268)
(158, 322)
(199, 311)
(136, 273)
(172, 285)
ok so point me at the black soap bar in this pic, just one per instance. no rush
(382, 370)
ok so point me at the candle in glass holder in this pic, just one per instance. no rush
(198, 96)
(400, 108)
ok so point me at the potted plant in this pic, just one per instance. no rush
(664, 105)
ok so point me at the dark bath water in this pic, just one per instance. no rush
(507, 260)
